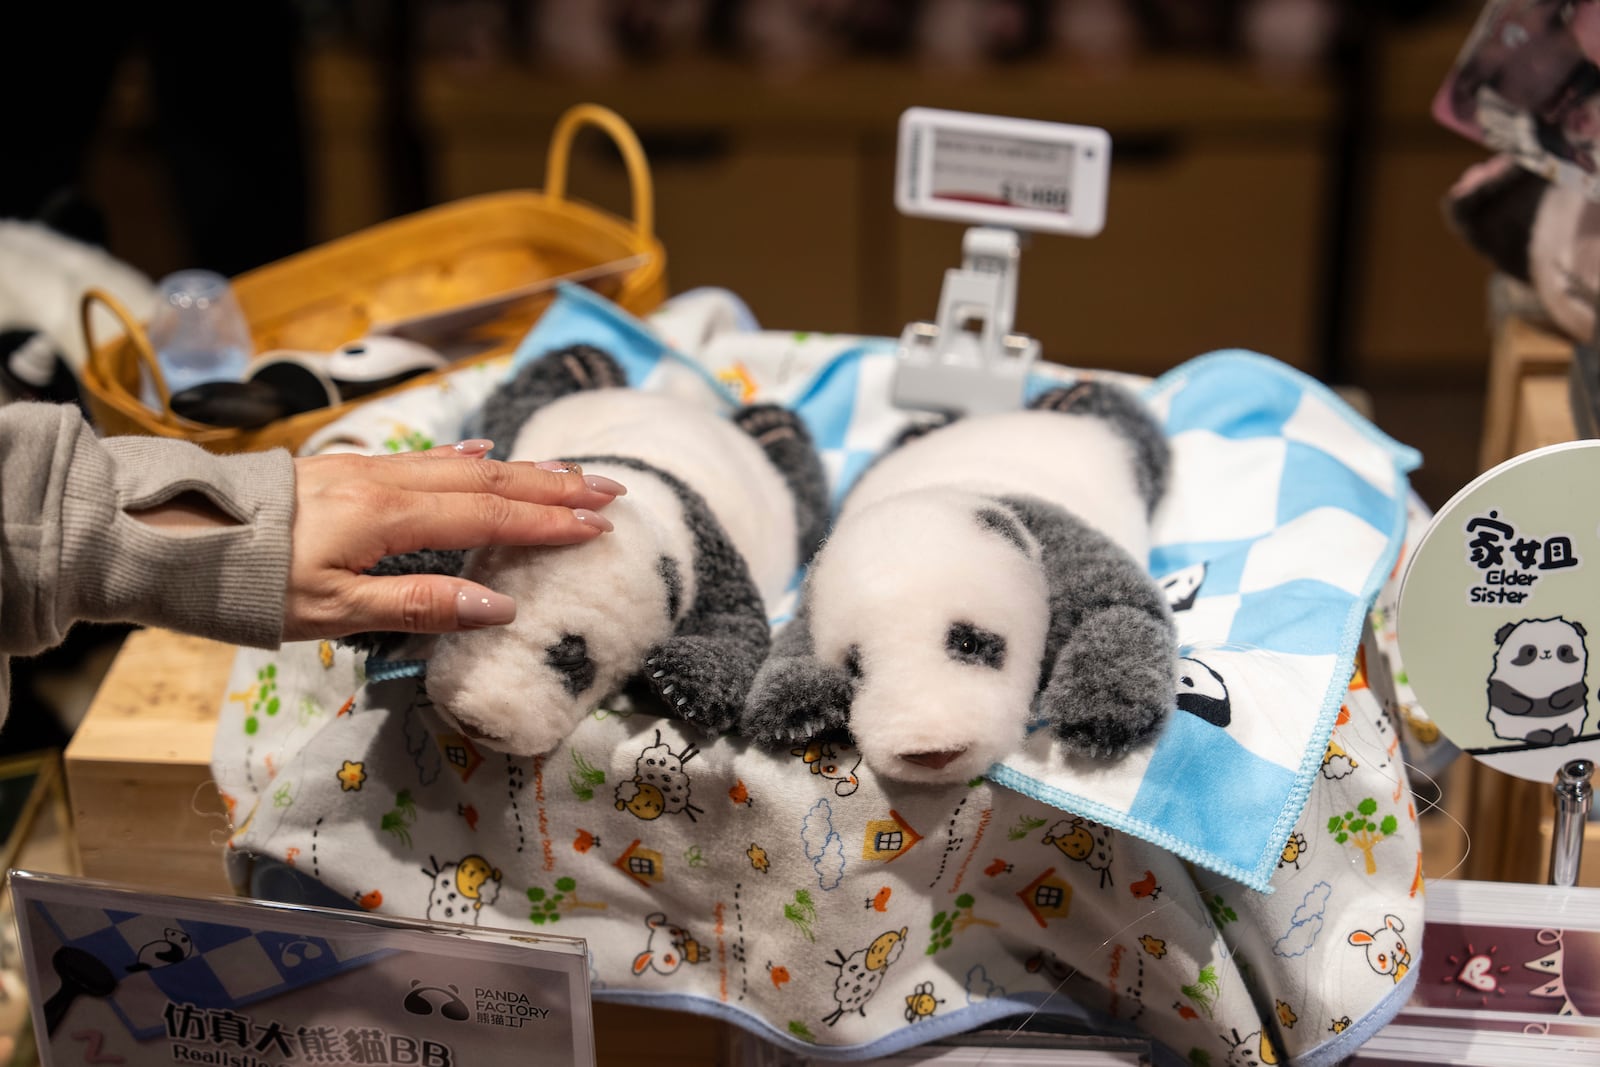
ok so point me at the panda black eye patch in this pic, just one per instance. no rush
(570, 656)
(967, 643)
(852, 662)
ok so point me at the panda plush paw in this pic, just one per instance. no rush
(702, 679)
(1112, 685)
(796, 698)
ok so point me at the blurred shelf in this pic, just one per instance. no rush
(867, 97)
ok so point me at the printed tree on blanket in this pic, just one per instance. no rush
(1362, 830)
(547, 907)
(946, 924)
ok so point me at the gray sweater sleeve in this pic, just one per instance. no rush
(69, 550)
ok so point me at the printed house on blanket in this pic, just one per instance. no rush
(888, 839)
(1047, 897)
(643, 865)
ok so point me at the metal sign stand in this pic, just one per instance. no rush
(1574, 794)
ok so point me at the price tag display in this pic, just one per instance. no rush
(121, 976)
(1499, 614)
(1015, 173)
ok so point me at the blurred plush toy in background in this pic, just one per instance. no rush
(984, 574)
(1289, 38)
(43, 275)
(673, 603)
(1544, 235)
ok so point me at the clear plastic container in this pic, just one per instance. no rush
(198, 333)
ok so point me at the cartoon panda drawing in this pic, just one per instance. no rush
(173, 946)
(1183, 586)
(1537, 690)
(1202, 692)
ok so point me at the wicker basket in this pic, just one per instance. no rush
(435, 259)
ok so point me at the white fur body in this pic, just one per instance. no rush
(495, 682)
(909, 530)
(1078, 462)
(704, 450)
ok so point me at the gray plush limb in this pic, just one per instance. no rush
(788, 444)
(552, 376)
(796, 696)
(703, 672)
(1111, 651)
(1130, 417)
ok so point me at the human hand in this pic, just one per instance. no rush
(351, 511)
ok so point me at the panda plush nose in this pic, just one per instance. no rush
(934, 761)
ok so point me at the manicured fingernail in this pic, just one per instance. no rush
(601, 484)
(558, 466)
(592, 518)
(475, 608)
(475, 447)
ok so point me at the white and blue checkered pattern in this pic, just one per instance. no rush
(1295, 504)
(226, 967)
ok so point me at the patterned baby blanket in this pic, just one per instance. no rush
(792, 887)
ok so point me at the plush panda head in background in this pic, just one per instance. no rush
(942, 684)
(586, 616)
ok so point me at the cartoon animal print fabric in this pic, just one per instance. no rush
(797, 895)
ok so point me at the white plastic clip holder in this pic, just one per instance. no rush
(970, 362)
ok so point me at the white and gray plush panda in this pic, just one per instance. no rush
(1537, 691)
(719, 514)
(983, 574)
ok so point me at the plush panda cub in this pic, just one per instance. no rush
(983, 574)
(1537, 691)
(719, 514)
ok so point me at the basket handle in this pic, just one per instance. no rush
(101, 357)
(627, 142)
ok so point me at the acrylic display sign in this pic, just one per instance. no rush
(1017, 174)
(1499, 616)
(120, 976)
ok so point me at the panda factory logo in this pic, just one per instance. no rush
(446, 999)
(1508, 559)
(510, 1008)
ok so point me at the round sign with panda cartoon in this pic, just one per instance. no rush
(1499, 613)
